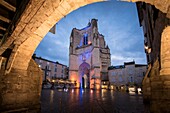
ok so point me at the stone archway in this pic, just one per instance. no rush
(156, 87)
(165, 52)
(35, 23)
(37, 19)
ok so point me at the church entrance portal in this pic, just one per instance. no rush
(85, 81)
(84, 75)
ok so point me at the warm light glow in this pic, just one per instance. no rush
(121, 87)
(51, 96)
(146, 47)
(97, 86)
(53, 80)
(72, 90)
(60, 89)
(103, 93)
(78, 84)
(139, 90)
(91, 91)
(132, 90)
(149, 50)
(72, 78)
(104, 87)
(89, 42)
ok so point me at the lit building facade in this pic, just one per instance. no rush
(127, 75)
(52, 70)
(89, 57)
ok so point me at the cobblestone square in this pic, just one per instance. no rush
(89, 101)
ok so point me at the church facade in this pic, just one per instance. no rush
(89, 57)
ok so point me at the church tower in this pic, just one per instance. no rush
(89, 57)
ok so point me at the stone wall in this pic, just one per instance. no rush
(21, 89)
(156, 87)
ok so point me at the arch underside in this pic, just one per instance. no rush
(39, 17)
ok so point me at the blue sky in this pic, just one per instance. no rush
(117, 21)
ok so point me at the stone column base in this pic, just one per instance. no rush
(160, 94)
(20, 90)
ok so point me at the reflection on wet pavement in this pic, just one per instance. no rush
(89, 101)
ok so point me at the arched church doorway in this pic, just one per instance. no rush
(84, 75)
(83, 82)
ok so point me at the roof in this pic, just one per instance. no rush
(129, 63)
(140, 65)
(40, 58)
(126, 63)
(88, 25)
(116, 67)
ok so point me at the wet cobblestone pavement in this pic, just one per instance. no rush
(87, 101)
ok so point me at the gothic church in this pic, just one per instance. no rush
(89, 57)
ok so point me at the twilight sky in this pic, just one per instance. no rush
(117, 21)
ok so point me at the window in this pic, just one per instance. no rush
(131, 79)
(48, 63)
(113, 73)
(85, 39)
(55, 76)
(47, 67)
(55, 70)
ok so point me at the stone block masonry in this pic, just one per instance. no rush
(21, 89)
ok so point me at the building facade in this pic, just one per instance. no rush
(156, 35)
(89, 57)
(52, 70)
(127, 75)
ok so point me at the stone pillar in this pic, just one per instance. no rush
(161, 87)
(165, 52)
(146, 88)
(21, 89)
(160, 79)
